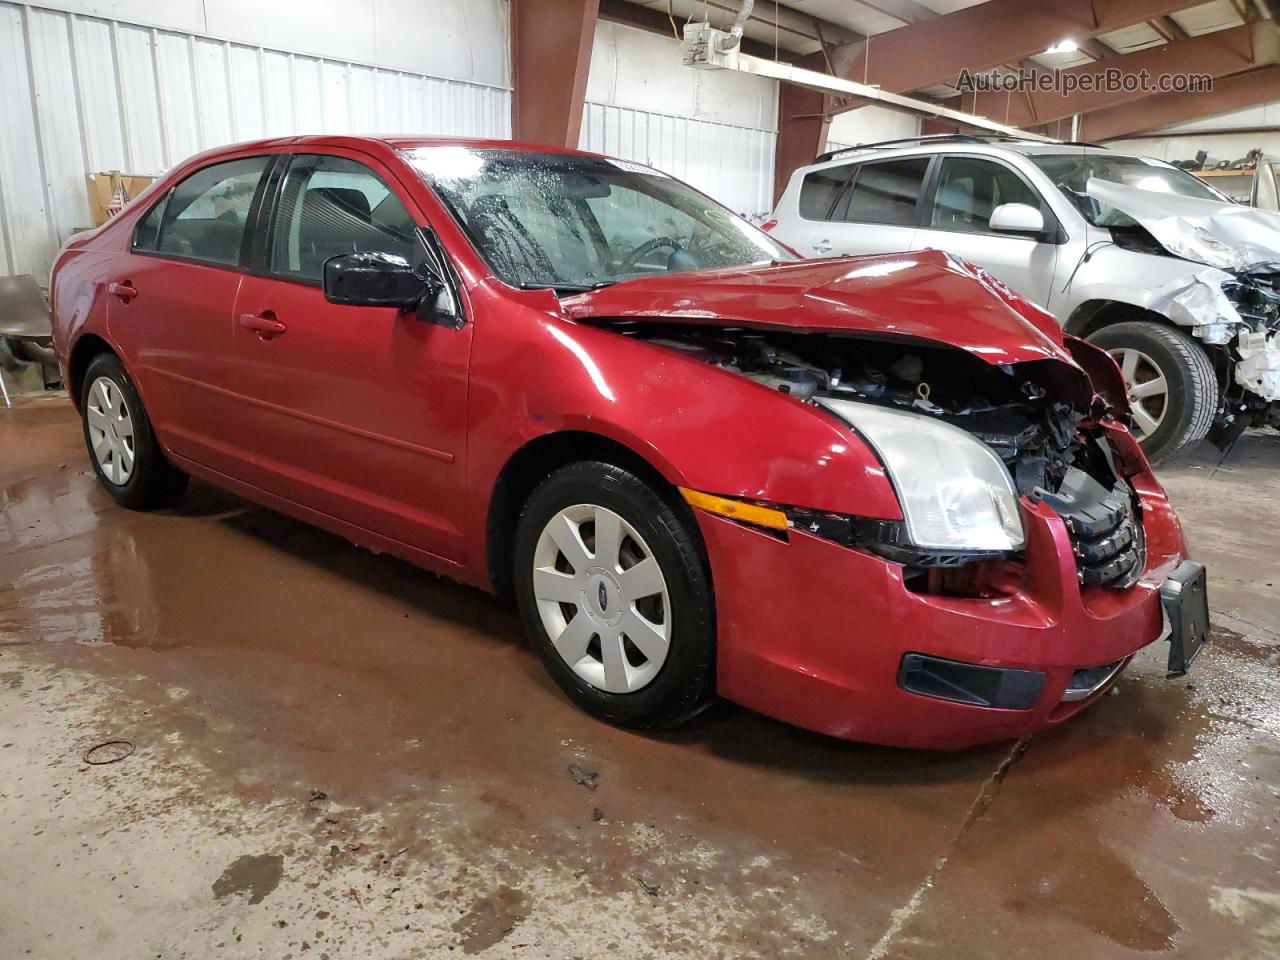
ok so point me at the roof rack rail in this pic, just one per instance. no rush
(1084, 143)
(932, 138)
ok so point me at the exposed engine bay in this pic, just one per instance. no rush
(1034, 416)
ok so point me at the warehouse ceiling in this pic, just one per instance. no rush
(818, 30)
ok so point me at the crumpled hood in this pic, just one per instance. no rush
(1224, 235)
(929, 296)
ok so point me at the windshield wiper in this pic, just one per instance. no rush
(561, 288)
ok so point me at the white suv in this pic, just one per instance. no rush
(1179, 284)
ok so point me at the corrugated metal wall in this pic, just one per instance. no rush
(80, 94)
(731, 163)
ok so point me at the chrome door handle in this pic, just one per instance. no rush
(822, 246)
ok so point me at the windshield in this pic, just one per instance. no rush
(576, 223)
(1070, 172)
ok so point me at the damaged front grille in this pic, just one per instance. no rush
(1106, 535)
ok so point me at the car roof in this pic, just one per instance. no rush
(993, 148)
(400, 142)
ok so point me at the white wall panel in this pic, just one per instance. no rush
(869, 125)
(643, 71)
(27, 229)
(715, 129)
(458, 39)
(732, 164)
(99, 95)
(83, 93)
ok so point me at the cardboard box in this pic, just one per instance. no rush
(104, 187)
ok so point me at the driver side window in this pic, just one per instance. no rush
(969, 189)
(331, 206)
(630, 218)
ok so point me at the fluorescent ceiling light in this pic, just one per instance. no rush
(1064, 46)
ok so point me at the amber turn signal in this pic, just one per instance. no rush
(735, 509)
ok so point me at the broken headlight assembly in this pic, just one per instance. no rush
(957, 496)
(1256, 300)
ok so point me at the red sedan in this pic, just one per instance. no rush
(879, 497)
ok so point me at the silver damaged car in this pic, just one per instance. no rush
(1179, 284)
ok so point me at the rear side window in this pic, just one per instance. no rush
(969, 189)
(206, 215)
(886, 192)
(331, 206)
(819, 190)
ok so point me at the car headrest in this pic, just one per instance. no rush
(956, 197)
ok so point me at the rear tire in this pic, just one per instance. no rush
(1173, 389)
(583, 594)
(122, 446)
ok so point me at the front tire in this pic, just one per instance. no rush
(615, 594)
(1172, 387)
(122, 446)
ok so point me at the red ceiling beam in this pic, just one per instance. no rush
(802, 132)
(550, 56)
(985, 36)
(1216, 54)
(1164, 109)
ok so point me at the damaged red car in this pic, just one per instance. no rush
(879, 497)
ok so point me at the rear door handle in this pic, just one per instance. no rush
(264, 324)
(123, 289)
(822, 246)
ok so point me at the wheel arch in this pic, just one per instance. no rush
(1092, 315)
(537, 459)
(86, 347)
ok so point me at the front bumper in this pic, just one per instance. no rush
(814, 634)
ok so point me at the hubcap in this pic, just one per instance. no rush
(602, 598)
(110, 431)
(1146, 386)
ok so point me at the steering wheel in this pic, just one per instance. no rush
(629, 262)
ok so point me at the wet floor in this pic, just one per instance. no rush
(337, 755)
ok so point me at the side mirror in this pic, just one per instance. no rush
(1017, 218)
(377, 280)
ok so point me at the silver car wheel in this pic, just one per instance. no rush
(1147, 388)
(602, 598)
(110, 430)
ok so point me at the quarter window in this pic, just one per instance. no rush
(148, 228)
(206, 215)
(969, 189)
(886, 192)
(819, 190)
(332, 206)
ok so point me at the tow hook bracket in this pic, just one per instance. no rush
(1186, 604)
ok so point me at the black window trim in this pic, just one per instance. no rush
(1053, 231)
(241, 265)
(926, 182)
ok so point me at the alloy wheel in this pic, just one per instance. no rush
(602, 598)
(110, 430)
(1147, 389)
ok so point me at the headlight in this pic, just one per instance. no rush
(956, 494)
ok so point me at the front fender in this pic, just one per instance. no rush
(1130, 277)
(1104, 374)
(699, 426)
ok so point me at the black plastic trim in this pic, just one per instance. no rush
(970, 683)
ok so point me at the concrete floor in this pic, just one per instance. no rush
(340, 756)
